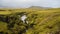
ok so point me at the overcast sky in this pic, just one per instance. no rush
(28, 3)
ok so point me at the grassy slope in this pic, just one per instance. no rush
(47, 21)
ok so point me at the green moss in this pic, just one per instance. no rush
(39, 22)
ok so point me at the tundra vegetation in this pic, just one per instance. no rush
(39, 21)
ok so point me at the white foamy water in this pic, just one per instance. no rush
(23, 18)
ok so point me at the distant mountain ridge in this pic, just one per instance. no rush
(38, 7)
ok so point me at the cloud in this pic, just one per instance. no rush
(28, 3)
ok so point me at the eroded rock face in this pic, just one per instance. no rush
(1, 32)
(2, 18)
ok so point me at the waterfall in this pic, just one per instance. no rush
(23, 18)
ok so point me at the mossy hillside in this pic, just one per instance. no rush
(40, 22)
